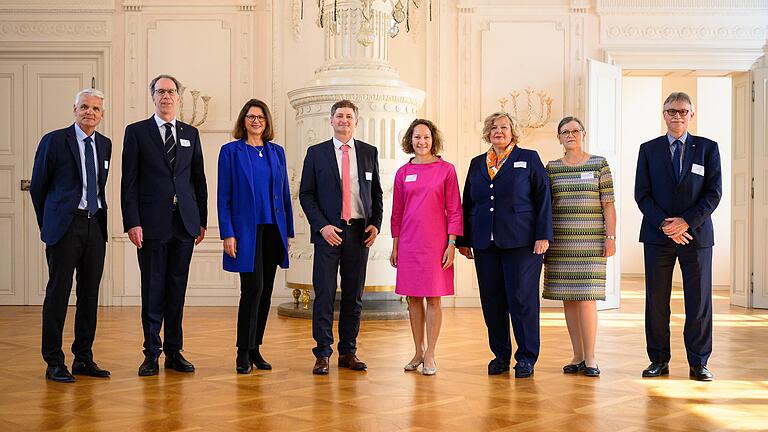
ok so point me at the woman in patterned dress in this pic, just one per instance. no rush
(584, 223)
(426, 218)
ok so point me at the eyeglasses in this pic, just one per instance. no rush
(169, 92)
(674, 112)
(254, 118)
(574, 132)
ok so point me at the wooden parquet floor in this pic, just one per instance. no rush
(461, 397)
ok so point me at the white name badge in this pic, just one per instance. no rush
(587, 175)
(184, 143)
(410, 178)
(369, 175)
(520, 164)
(106, 164)
(697, 169)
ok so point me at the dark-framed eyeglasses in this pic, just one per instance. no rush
(574, 132)
(169, 92)
(673, 112)
(255, 118)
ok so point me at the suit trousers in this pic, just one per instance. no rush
(509, 289)
(350, 260)
(696, 266)
(164, 265)
(81, 249)
(256, 288)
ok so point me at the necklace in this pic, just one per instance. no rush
(579, 162)
(261, 155)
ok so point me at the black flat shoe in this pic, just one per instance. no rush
(89, 369)
(656, 369)
(700, 373)
(523, 370)
(574, 368)
(258, 361)
(497, 367)
(149, 367)
(591, 371)
(243, 363)
(176, 361)
(59, 373)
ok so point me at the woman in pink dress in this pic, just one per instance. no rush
(426, 218)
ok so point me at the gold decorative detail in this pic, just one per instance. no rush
(367, 288)
(296, 294)
(195, 96)
(305, 299)
(539, 108)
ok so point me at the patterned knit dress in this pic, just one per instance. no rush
(574, 263)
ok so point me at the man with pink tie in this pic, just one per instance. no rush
(341, 196)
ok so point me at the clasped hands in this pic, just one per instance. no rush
(676, 228)
(329, 233)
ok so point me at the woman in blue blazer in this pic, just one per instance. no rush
(507, 229)
(255, 221)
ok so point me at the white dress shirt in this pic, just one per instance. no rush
(160, 122)
(357, 202)
(81, 148)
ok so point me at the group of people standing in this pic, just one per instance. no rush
(515, 216)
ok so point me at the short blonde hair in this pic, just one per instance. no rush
(488, 124)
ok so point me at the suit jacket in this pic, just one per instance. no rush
(236, 205)
(57, 182)
(149, 182)
(320, 190)
(516, 205)
(694, 198)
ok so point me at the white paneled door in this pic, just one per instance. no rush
(36, 96)
(741, 185)
(760, 174)
(604, 139)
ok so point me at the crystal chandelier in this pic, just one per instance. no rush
(399, 12)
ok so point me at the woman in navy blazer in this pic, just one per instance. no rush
(255, 221)
(507, 229)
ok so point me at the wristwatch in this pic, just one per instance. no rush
(610, 237)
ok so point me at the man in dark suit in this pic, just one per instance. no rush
(341, 195)
(165, 210)
(677, 187)
(68, 181)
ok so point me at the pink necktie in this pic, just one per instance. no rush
(346, 187)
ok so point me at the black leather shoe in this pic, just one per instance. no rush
(497, 367)
(591, 371)
(258, 361)
(174, 360)
(701, 373)
(656, 369)
(523, 370)
(243, 362)
(149, 367)
(59, 373)
(351, 361)
(321, 366)
(574, 368)
(89, 369)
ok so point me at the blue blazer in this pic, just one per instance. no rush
(694, 198)
(148, 182)
(237, 208)
(320, 190)
(57, 182)
(516, 205)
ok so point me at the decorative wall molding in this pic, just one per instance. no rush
(63, 30)
(686, 32)
(699, 7)
(54, 6)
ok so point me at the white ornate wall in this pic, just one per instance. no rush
(471, 53)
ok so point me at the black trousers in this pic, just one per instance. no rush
(81, 249)
(696, 266)
(256, 288)
(349, 259)
(508, 280)
(164, 265)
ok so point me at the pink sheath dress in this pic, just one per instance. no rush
(426, 208)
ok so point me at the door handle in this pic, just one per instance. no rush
(25, 185)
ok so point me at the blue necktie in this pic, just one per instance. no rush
(676, 160)
(92, 204)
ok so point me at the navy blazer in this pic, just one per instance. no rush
(57, 182)
(149, 183)
(694, 198)
(237, 208)
(516, 205)
(320, 190)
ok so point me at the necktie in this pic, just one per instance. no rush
(676, 159)
(91, 203)
(170, 144)
(346, 186)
